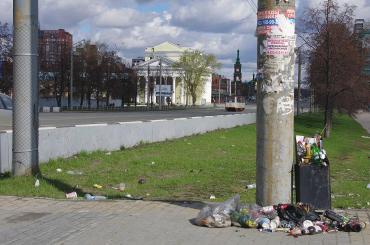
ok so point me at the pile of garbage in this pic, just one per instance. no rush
(311, 150)
(297, 220)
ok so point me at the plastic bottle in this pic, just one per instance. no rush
(308, 150)
(268, 209)
(94, 198)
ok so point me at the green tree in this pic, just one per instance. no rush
(195, 67)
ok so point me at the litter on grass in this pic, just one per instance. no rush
(251, 186)
(142, 181)
(74, 172)
(98, 186)
(37, 183)
(297, 220)
(130, 197)
(90, 197)
(72, 195)
(119, 187)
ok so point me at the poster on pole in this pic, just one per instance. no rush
(163, 90)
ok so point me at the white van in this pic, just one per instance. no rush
(6, 110)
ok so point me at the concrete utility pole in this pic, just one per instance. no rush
(275, 100)
(26, 88)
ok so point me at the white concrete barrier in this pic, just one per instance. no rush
(56, 109)
(45, 109)
(66, 142)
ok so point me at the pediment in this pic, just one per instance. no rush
(166, 47)
(155, 63)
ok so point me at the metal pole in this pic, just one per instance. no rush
(26, 88)
(160, 83)
(219, 90)
(299, 79)
(71, 82)
(275, 100)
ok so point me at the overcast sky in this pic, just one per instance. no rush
(219, 27)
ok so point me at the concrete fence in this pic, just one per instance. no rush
(65, 142)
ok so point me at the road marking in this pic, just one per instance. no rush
(181, 118)
(209, 117)
(91, 125)
(133, 122)
(46, 128)
(195, 117)
(161, 120)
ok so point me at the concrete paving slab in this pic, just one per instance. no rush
(48, 221)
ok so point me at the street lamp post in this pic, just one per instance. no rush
(219, 90)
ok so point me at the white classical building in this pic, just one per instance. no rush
(172, 83)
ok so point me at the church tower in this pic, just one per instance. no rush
(237, 72)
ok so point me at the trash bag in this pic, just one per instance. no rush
(218, 215)
(255, 211)
(291, 213)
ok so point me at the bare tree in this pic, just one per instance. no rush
(336, 60)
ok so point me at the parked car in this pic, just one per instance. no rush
(6, 110)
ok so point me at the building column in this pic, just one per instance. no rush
(173, 89)
(146, 89)
(182, 91)
(138, 90)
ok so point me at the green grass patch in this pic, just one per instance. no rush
(219, 163)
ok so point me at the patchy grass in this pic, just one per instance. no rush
(219, 163)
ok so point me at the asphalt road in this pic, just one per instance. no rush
(65, 119)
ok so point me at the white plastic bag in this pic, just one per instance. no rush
(218, 215)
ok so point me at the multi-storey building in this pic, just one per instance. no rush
(220, 88)
(362, 30)
(54, 56)
(53, 47)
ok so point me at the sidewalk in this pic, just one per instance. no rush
(45, 221)
(364, 119)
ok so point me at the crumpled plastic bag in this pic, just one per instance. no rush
(218, 215)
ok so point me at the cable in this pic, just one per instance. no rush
(252, 5)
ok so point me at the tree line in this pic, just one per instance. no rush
(98, 72)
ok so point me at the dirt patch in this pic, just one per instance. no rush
(25, 217)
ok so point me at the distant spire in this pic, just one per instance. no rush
(238, 58)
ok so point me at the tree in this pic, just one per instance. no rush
(195, 67)
(336, 60)
(6, 61)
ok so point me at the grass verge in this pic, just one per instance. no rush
(219, 163)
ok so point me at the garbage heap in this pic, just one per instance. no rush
(311, 151)
(297, 220)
